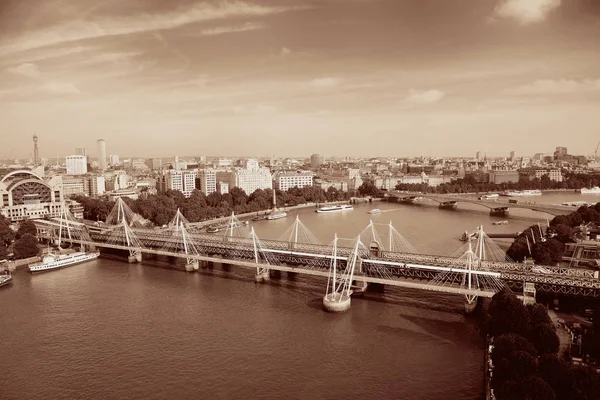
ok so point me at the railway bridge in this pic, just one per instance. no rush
(379, 254)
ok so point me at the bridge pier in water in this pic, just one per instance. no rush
(499, 211)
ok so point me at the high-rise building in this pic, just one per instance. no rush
(101, 154)
(478, 156)
(80, 151)
(512, 156)
(182, 181)
(114, 160)
(76, 165)
(253, 177)
(36, 156)
(317, 160)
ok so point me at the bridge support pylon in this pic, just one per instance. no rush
(337, 298)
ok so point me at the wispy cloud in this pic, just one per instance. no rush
(101, 27)
(421, 97)
(26, 69)
(61, 88)
(560, 86)
(220, 30)
(285, 52)
(526, 11)
(325, 82)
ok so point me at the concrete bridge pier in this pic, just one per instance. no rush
(359, 288)
(192, 266)
(337, 302)
(499, 211)
(262, 276)
(135, 257)
(470, 303)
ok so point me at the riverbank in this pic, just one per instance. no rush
(263, 213)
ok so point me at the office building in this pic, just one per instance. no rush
(76, 165)
(101, 154)
(114, 160)
(253, 177)
(208, 181)
(182, 181)
(287, 180)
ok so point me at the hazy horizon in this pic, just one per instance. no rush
(371, 78)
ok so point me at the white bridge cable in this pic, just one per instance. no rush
(179, 239)
(234, 228)
(472, 281)
(71, 228)
(122, 211)
(299, 233)
(387, 238)
(339, 282)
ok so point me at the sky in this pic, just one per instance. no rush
(385, 78)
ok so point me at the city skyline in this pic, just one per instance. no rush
(356, 78)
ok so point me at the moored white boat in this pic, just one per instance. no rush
(375, 211)
(5, 279)
(277, 215)
(594, 190)
(328, 209)
(53, 261)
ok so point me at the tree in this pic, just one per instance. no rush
(504, 345)
(544, 338)
(538, 314)
(508, 314)
(3, 251)
(26, 246)
(26, 226)
(515, 367)
(557, 373)
(7, 235)
(564, 233)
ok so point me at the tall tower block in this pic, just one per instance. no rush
(36, 157)
(101, 154)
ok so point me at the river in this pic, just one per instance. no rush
(110, 330)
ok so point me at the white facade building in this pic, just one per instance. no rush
(253, 177)
(182, 181)
(76, 165)
(101, 154)
(208, 181)
(287, 180)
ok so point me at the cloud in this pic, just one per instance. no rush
(26, 69)
(285, 52)
(423, 96)
(61, 88)
(220, 30)
(325, 82)
(101, 27)
(560, 86)
(526, 11)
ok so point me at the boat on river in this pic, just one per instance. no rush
(594, 190)
(53, 261)
(329, 209)
(5, 279)
(500, 223)
(375, 211)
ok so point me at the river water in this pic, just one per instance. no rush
(110, 330)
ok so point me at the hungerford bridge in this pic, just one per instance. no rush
(378, 255)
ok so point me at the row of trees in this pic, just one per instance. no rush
(549, 248)
(23, 242)
(160, 208)
(469, 184)
(525, 357)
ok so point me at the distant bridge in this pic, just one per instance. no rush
(498, 206)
